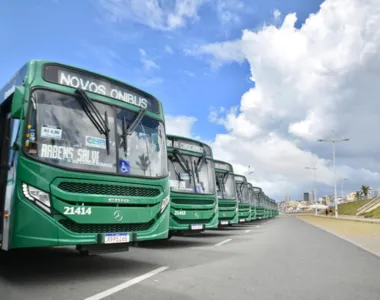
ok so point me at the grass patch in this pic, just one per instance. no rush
(351, 208)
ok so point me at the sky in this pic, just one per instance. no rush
(259, 81)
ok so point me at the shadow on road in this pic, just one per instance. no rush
(176, 242)
(211, 234)
(52, 265)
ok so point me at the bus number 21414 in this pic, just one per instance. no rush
(77, 211)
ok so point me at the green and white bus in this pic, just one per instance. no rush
(83, 159)
(226, 192)
(266, 207)
(260, 211)
(193, 198)
(244, 207)
(252, 201)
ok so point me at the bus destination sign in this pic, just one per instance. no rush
(184, 145)
(239, 178)
(222, 166)
(99, 85)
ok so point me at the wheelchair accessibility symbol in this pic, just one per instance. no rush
(124, 167)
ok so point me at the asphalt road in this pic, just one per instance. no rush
(283, 258)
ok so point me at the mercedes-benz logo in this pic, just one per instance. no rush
(118, 215)
(196, 215)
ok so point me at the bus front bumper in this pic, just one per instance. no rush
(178, 224)
(35, 228)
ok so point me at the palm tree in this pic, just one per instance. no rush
(364, 190)
(357, 195)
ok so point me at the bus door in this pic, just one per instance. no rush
(5, 121)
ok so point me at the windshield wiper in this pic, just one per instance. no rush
(222, 186)
(94, 115)
(202, 160)
(128, 131)
(182, 161)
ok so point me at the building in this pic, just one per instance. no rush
(306, 196)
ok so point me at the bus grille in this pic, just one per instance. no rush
(225, 218)
(221, 204)
(192, 201)
(108, 189)
(194, 221)
(105, 228)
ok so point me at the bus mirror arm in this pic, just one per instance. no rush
(15, 148)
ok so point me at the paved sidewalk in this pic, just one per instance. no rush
(363, 234)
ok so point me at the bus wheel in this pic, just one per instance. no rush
(84, 252)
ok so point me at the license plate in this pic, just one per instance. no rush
(224, 222)
(242, 220)
(196, 227)
(115, 238)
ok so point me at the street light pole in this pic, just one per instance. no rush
(315, 188)
(333, 141)
(343, 179)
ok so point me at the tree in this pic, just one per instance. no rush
(364, 190)
(357, 195)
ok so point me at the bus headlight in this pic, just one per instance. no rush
(41, 198)
(165, 203)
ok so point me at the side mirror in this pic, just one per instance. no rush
(17, 102)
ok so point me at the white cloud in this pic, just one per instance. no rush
(163, 15)
(169, 49)
(276, 14)
(308, 82)
(148, 64)
(188, 73)
(228, 10)
(180, 125)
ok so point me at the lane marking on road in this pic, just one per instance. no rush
(257, 226)
(223, 242)
(247, 231)
(126, 284)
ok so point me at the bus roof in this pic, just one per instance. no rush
(256, 189)
(241, 176)
(171, 139)
(219, 166)
(83, 71)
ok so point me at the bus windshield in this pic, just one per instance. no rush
(225, 186)
(188, 174)
(242, 192)
(60, 133)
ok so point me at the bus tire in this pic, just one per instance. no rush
(83, 252)
(170, 235)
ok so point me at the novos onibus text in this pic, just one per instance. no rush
(83, 161)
